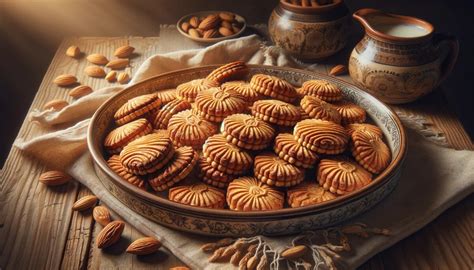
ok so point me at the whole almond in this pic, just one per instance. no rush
(55, 104)
(226, 24)
(211, 33)
(111, 76)
(80, 91)
(124, 51)
(194, 22)
(294, 252)
(110, 234)
(54, 178)
(84, 203)
(95, 71)
(209, 22)
(227, 16)
(194, 33)
(225, 31)
(338, 70)
(185, 26)
(101, 215)
(65, 80)
(118, 63)
(73, 51)
(97, 59)
(144, 246)
(123, 78)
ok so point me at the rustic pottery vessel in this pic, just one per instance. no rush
(400, 59)
(310, 33)
(223, 222)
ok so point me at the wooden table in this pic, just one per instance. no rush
(38, 229)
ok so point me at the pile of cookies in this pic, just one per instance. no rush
(222, 24)
(262, 144)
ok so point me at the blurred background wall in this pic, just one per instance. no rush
(30, 32)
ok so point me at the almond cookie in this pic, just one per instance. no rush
(274, 87)
(351, 128)
(370, 151)
(116, 165)
(321, 89)
(248, 194)
(200, 195)
(231, 71)
(225, 156)
(167, 95)
(319, 109)
(215, 104)
(247, 131)
(274, 171)
(322, 137)
(341, 175)
(288, 149)
(350, 112)
(121, 136)
(189, 91)
(136, 108)
(147, 154)
(176, 170)
(212, 176)
(243, 88)
(308, 194)
(163, 116)
(187, 128)
(276, 112)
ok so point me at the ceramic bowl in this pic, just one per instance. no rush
(229, 223)
(186, 18)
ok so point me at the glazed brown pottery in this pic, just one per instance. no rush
(310, 33)
(400, 59)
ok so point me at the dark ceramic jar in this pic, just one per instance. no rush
(310, 33)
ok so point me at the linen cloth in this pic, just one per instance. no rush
(433, 177)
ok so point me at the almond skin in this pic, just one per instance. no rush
(227, 16)
(225, 31)
(338, 70)
(101, 215)
(55, 104)
(65, 80)
(80, 91)
(209, 22)
(124, 51)
(211, 33)
(123, 78)
(194, 33)
(110, 234)
(194, 22)
(84, 203)
(54, 178)
(144, 246)
(294, 252)
(73, 51)
(95, 71)
(185, 26)
(97, 59)
(111, 76)
(118, 63)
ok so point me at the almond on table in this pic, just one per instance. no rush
(54, 178)
(124, 51)
(65, 80)
(97, 59)
(73, 51)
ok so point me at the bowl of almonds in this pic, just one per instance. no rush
(211, 26)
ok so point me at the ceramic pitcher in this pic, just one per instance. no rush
(400, 58)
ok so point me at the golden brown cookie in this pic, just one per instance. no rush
(180, 166)
(274, 171)
(163, 115)
(319, 109)
(231, 71)
(288, 149)
(213, 176)
(308, 194)
(304, 114)
(350, 112)
(166, 95)
(321, 89)
(322, 137)
(274, 87)
(188, 91)
(187, 128)
(341, 175)
(247, 131)
(121, 136)
(248, 194)
(200, 195)
(215, 104)
(370, 151)
(243, 88)
(351, 128)
(276, 112)
(225, 156)
(115, 164)
(147, 154)
(136, 108)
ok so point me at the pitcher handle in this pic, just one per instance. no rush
(450, 49)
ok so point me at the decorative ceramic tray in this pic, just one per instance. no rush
(216, 222)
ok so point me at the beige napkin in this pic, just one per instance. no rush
(433, 178)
